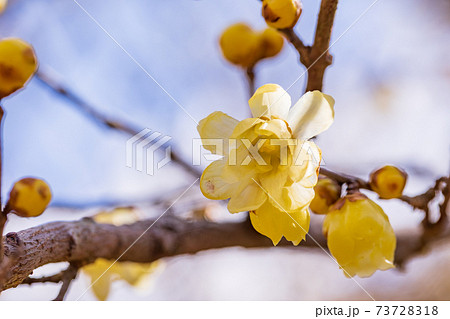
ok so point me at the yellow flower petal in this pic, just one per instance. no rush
(359, 236)
(248, 196)
(213, 185)
(100, 278)
(270, 100)
(275, 224)
(217, 125)
(243, 128)
(311, 115)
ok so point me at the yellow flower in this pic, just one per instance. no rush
(281, 14)
(29, 197)
(268, 166)
(327, 192)
(359, 236)
(3, 4)
(17, 64)
(388, 182)
(103, 272)
(245, 47)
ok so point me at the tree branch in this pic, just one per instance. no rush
(81, 242)
(316, 58)
(102, 119)
(67, 277)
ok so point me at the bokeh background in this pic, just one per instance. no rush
(390, 79)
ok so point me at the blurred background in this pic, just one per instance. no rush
(390, 79)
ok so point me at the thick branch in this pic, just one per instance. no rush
(83, 241)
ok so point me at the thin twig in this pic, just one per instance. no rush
(55, 279)
(321, 44)
(250, 75)
(102, 119)
(67, 277)
(316, 58)
(420, 201)
(303, 50)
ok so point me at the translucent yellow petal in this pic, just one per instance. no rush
(275, 224)
(133, 273)
(275, 128)
(212, 183)
(270, 100)
(360, 236)
(100, 276)
(248, 196)
(306, 161)
(244, 126)
(311, 115)
(297, 196)
(217, 125)
(17, 65)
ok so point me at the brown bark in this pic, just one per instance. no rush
(81, 242)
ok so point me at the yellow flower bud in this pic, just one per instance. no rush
(359, 236)
(245, 47)
(281, 14)
(327, 192)
(3, 4)
(388, 181)
(17, 64)
(29, 197)
(271, 42)
(239, 44)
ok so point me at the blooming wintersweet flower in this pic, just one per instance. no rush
(267, 166)
(359, 236)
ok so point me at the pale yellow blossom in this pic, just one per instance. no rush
(268, 166)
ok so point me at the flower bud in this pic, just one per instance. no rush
(281, 14)
(271, 42)
(17, 64)
(29, 197)
(3, 4)
(327, 192)
(239, 44)
(359, 236)
(245, 47)
(388, 182)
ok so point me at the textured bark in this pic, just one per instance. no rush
(81, 242)
(319, 56)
